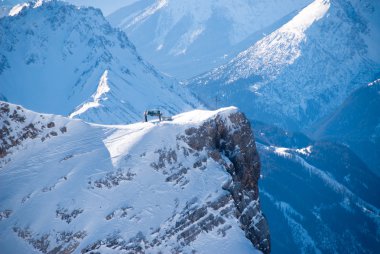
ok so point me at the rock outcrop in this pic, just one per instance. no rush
(232, 137)
(16, 126)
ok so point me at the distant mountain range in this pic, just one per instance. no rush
(186, 38)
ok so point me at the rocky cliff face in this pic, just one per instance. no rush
(233, 139)
(190, 185)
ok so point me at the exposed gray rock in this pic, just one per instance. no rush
(15, 127)
(61, 243)
(232, 137)
(112, 179)
(65, 215)
(5, 214)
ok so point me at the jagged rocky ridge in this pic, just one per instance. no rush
(182, 186)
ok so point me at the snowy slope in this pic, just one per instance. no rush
(62, 59)
(186, 38)
(318, 196)
(305, 69)
(107, 7)
(147, 187)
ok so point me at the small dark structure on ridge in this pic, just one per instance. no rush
(154, 112)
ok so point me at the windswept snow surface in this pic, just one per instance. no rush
(189, 37)
(98, 187)
(305, 69)
(61, 59)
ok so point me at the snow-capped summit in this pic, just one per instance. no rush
(186, 38)
(305, 69)
(62, 59)
(190, 185)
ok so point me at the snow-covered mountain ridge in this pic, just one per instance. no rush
(305, 69)
(181, 186)
(61, 59)
(187, 38)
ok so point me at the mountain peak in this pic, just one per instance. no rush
(193, 188)
(293, 71)
(64, 52)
